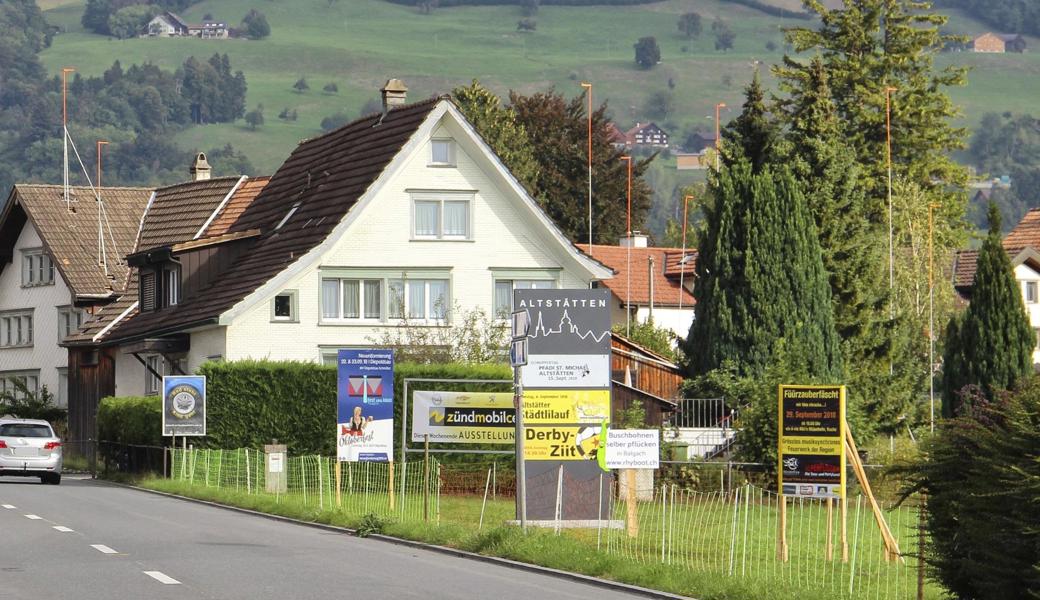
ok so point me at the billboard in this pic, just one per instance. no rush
(568, 338)
(464, 417)
(633, 449)
(566, 406)
(812, 441)
(561, 442)
(184, 405)
(365, 405)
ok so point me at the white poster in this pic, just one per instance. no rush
(588, 371)
(633, 449)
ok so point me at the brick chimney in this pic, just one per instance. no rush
(395, 93)
(200, 169)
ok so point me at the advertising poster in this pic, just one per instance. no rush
(568, 338)
(365, 405)
(633, 449)
(561, 442)
(812, 441)
(464, 417)
(184, 405)
(566, 406)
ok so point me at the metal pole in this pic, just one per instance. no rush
(718, 140)
(521, 476)
(682, 256)
(588, 88)
(888, 154)
(931, 320)
(426, 480)
(628, 253)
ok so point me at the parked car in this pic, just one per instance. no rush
(29, 448)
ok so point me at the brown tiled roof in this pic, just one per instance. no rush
(1026, 233)
(179, 211)
(326, 176)
(240, 200)
(71, 238)
(964, 268)
(666, 289)
(106, 315)
(673, 265)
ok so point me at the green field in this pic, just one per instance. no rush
(358, 44)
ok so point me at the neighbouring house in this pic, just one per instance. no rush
(1023, 247)
(686, 161)
(639, 374)
(699, 142)
(210, 30)
(167, 24)
(646, 134)
(648, 283)
(400, 218)
(54, 277)
(999, 43)
(616, 136)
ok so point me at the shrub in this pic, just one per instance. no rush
(131, 420)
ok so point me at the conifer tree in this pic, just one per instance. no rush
(753, 134)
(991, 343)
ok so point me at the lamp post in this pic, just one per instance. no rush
(682, 257)
(102, 257)
(65, 134)
(888, 154)
(588, 92)
(628, 252)
(931, 319)
(718, 140)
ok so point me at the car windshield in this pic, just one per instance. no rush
(27, 430)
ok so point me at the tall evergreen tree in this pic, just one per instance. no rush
(753, 134)
(991, 344)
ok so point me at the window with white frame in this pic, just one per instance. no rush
(37, 268)
(153, 381)
(441, 216)
(1031, 292)
(359, 296)
(351, 299)
(284, 308)
(63, 386)
(16, 329)
(419, 299)
(171, 285)
(504, 292)
(17, 383)
(69, 321)
(442, 152)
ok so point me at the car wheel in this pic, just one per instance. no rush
(52, 478)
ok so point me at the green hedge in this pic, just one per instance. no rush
(251, 403)
(131, 420)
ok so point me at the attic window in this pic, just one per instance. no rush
(148, 291)
(288, 216)
(442, 153)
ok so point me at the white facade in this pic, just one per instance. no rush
(161, 25)
(668, 317)
(36, 357)
(1029, 283)
(501, 237)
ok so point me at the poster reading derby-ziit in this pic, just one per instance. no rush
(365, 405)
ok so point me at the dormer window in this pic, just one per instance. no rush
(442, 153)
(160, 286)
(171, 285)
(147, 290)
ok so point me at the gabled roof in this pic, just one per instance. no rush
(227, 215)
(1027, 232)
(1025, 235)
(178, 212)
(666, 288)
(325, 177)
(107, 317)
(71, 237)
(675, 265)
(177, 20)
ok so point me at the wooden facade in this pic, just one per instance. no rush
(648, 371)
(624, 397)
(92, 376)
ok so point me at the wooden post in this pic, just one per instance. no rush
(426, 480)
(830, 529)
(920, 548)
(630, 502)
(390, 486)
(845, 527)
(339, 481)
(781, 546)
(891, 545)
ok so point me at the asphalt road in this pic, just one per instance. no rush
(88, 540)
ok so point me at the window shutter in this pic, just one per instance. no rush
(148, 291)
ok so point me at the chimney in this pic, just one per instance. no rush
(200, 169)
(637, 240)
(395, 93)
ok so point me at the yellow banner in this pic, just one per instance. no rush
(561, 442)
(810, 445)
(566, 406)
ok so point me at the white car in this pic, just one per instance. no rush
(29, 448)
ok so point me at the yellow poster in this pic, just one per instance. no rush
(561, 442)
(812, 441)
(566, 406)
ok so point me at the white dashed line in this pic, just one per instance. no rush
(62, 528)
(162, 577)
(103, 549)
(9, 506)
(33, 517)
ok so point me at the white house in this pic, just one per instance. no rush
(167, 24)
(397, 217)
(53, 277)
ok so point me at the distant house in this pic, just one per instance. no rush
(646, 134)
(616, 136)
(999, 43)
(699, 142)
(687, 161)
(167, 24)
(210, 30)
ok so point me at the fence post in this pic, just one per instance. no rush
(426, 482)
(390, 485)
(208, 452)
(664, 510)
(733, 532)
(920, 547)
(559, 498)
(829, 546)
(303, 478)
(249, 485)
(483, 504)
(599, 512)
(321, 489)
(632, 515)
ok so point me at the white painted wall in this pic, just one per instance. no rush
(45, 354)
(671, 318)
(504, 237)
(130, 378)
(1024, 274)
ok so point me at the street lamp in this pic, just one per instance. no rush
(931, 319)
(628, 252)
(65, 133)
(682, 257)
(588, 92)
(888, 153)
(718, 140)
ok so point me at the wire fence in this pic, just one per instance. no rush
(713, 525)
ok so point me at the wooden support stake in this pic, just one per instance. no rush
(920, 548)
(891, 545)
(830, 529)
(630, 502)
(339, 481)
(845, 527)
(426, 480)
(390, 486)
(781, 541)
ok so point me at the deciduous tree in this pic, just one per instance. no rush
(648, 53)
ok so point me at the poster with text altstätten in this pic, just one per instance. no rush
(365, 405)
(812, 441)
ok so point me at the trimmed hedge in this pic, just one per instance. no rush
(131, 420)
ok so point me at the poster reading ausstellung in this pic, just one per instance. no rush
(812, 441)
(365, 405)
(463, 417)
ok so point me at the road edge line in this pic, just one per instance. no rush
(456, 552)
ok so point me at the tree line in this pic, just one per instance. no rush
(1008, 16)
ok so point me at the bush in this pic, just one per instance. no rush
(131, 420)
(335, 121)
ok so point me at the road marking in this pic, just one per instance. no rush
(162, 577)
(33, 517)
(9, 506)
(62, 528)
(103, 549)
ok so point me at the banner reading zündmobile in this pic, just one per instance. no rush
(463, 417)
(365, 405)
(812, 441)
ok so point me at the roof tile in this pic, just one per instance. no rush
(666, 288)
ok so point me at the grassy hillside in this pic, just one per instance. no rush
(358, 44)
